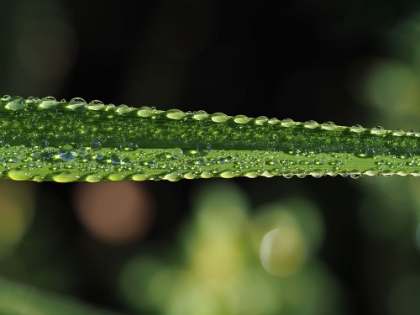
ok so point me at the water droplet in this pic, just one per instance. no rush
(175, 114)
(227, 174)
(48, 102)
(261, 120)
(145, 111)
(139, 177)
(82, 152)
(378, 130)
(200, 115)
(329, 125)
(411, 133)
(398, 132)
(203, 148)
(31, 100)
(241, 119)
(132, 146)
(95, 145)
(19, 174)
(66, 153)
(173, 177)
(95, 105)
(311, 124)
(357, 128)
(219, 117)
(66, 177)
(287, 122)
(116, 177)
(16, 103)
(177, 153)
(6, 97)
(77, 104)
(115, 159)
(123, 109)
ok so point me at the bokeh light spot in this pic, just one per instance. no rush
(282, 251)
(114, 213)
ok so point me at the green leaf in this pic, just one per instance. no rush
(43, 139)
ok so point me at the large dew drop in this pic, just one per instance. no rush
(203, 148)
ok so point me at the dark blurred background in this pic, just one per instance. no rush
(240, 246)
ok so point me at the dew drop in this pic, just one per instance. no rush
(16, 104)
(95, 105)
(200, 115)
(357, 128)
(132, 146)
(66, 153)
(115, 159)
(6, 97)
(77, 104)
(175, 114)
(411, 133)
(378, 130)
(145, 111)
(203, 148)
(139, 177)
(329, 125)
(398, 132)
(241, 119)
(82, 152)
(261, 120)
(219, 117)
(177, 153)
(48, 102)
(95, 145)
(287, 122)
(123, 109)
(311, 124)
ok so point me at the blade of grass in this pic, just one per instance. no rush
(43, 139)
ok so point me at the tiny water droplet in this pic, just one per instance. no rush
(177, 153)
(200, 115)
(219, 117)
(357, 128)
(6, 97)
(48, 102)
(95, 105)
(378, 130)
(241, 119)
(15, 104)
(115, 159)
(66, 156)
(411, 133)
(329, 125)
(398, 132)
(95, 145)
(77, 104)
(261, 120)
(82, 152)
(145, 111)
(203, 148)
(175, 114)
(311, 124)
(123, 109)
(287, 122)
(132, 146)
